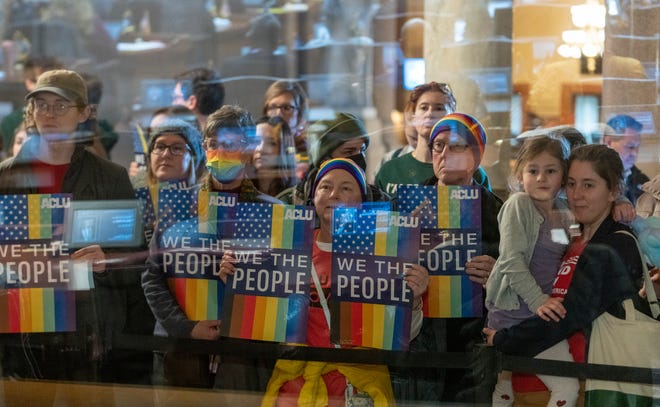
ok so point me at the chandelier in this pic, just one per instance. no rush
(588, 37)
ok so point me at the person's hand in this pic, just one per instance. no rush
(552, 309)
(623, 211)
(479, 267)
(227, 266)
(655, 279)
(133, 169)
(93, 255)
(209, 330)
(417, 278)
(489, 334)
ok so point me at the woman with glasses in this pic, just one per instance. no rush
(137, 172)
(428, 103)
(175, 153)
(52, 161)
(456, 145)
(288, 100)
(226, 148)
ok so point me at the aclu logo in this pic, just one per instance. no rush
(222, 200)
(55, 203)
(299, 214)
(404, 221)
(464, 194)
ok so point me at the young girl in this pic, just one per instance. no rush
(533, 240)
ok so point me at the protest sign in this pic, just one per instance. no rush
(371, 303)
(148, 197)
(193, 231)
(267, 298)
(36, 273)
(450, 219)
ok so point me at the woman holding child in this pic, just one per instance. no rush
(601, 268)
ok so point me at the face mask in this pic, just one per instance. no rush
(223, 166)
(359, 160)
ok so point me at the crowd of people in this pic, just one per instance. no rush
(569, 204)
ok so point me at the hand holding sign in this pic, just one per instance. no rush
(227, 266)
(209, 330)
(94, 255)
(417, 278)
(478, 269)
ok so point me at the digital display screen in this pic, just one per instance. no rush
(106, 223)
(414, 70)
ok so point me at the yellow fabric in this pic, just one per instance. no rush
(372, 379)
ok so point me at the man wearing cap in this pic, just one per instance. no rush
(53, 161)
(625, 138)
(343, 137)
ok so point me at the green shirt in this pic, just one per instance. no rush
(402, 170)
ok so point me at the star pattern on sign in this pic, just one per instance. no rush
(175, 206)
(422, 200)
(186, 227)
(14, 218)
(357, 236)
(253, 225)
(144, 196)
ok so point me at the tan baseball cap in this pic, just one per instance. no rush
(62, 82)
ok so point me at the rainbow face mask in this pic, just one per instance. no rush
(224, 166)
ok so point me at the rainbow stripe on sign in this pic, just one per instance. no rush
(374, 325)
(453, 297)
(40, 224)
(386, 240)
(215, 212)
(208, 215)
(24, 310)
(268, 318)
(454, 213)
(442, 207)
(199, 298)
(287, 232)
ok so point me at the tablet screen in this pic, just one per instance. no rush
(106, 223)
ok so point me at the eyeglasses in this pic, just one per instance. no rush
(58, 109)
(283, 108)
(174, 149)
(225, 145)
(439, 147)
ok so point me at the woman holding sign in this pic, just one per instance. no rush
(457, 143)
(226, 148)
(339, 182)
